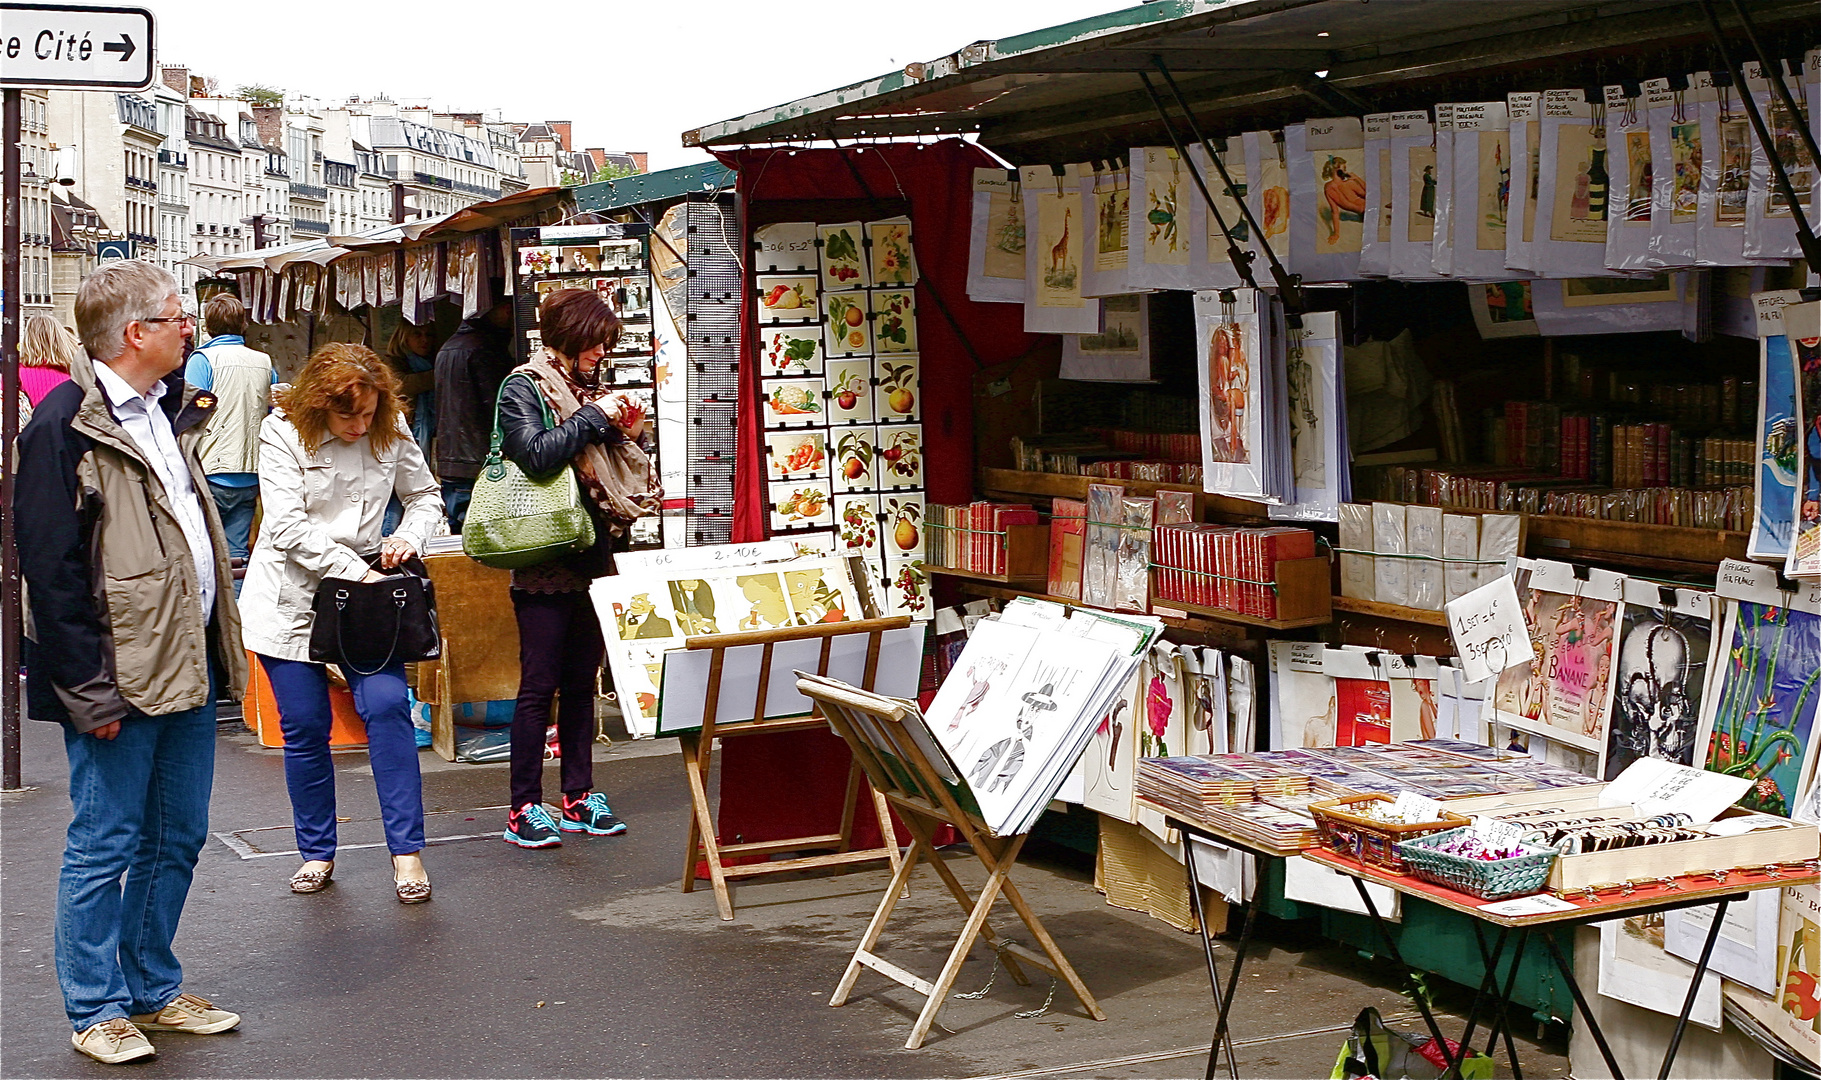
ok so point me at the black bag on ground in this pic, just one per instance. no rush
(365, 626)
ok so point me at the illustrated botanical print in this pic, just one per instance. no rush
(901, 456)
(849, 331)
(896, 394)
(855, 456)
(843, 257)
(797, 455)
(850, 387)
(857, 524)
(903, 525)
(1765, 711)
(1495, 190)
(1166, 209)
(893, 260)
(790, 350)
(894, 321)
(1340, 209)
(788, 298)
(1228, 202)
(907, 590)
(793, 402)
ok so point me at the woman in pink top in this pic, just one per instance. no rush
(45, 351)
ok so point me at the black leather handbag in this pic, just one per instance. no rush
(366, 626)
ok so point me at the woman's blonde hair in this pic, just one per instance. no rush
(333, 381)
(395, 345)
(45, 343)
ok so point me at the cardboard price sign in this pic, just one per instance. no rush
(1488, 629)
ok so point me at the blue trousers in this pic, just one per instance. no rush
(302, 691)
(456, 494)
(141, 810)
(236, 505)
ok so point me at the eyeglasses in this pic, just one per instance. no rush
(173, 318)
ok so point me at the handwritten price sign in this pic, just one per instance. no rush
(1488, 630)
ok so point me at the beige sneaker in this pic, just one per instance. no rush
(191, 1014)
(112, 1042)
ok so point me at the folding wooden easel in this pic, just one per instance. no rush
(698, 753)
(889, 740)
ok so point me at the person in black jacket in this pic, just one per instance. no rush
(544, 429)
(469, 368)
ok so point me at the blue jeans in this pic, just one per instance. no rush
(236, 506)
(302, 692)
(456, 494)
(141, 803)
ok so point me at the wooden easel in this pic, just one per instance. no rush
(698, 753)
(891, 743)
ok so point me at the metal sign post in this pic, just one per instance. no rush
(42, 46)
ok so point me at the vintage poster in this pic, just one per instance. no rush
(1167, 192)
(1340, 203)
(995, 260)
(1420, 223)
(1639, 177)
(1685, 159)
(1494, 189)
(1661, 673)
(1272, 202)
(1735, 169)
(1059, 247)
(1773, 521)
(1601, 292)
(1764, 707)
(1799, 961)
(1362, 711)
(1802, 326)
(1229, 369)
(1563, 692)
(1791, 151)
(1582, 184)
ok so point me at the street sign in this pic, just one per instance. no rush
(113, 250)
(67, 46)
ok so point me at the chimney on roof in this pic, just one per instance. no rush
(177, 78)
(561, 127)
(271, 121)
(639, 159)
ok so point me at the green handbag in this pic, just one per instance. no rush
(514, 521)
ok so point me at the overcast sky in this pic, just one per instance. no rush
(631, 75)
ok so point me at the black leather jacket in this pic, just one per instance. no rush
(468, 369)
(542, 451)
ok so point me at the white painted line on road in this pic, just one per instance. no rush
(245, 851)
(1167, 1055)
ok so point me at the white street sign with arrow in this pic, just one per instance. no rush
(69, 46)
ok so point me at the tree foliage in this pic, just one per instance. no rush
(258, 94)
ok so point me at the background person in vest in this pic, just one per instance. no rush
(241, 380)
(331, 455)
(129, 635)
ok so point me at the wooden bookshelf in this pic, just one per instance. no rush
(1396, 612)
(1673, 548)
(1014, 485)
(1191, 617)
(1027, 558)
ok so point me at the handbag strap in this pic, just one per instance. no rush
(494, 453)
(398, 627)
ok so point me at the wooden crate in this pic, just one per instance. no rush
(480, 643)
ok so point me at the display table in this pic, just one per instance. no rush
(1587, 906)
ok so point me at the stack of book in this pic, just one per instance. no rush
(972, 536)
(1218, 566)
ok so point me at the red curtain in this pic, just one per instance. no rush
(774, 787)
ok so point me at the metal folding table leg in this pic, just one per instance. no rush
(1422, 1003)
(1221, 1039)
(1694, 987)
(1580, 1002)
(1239, 959)
(1502, 1019)
(1488, 988)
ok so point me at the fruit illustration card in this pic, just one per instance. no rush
(850, 391)
(894, 321)
(906, 588)
(856, 459)
(901, 528)
(893, 261)
(849, 331)
(857, 526)
(790, 350)
(843, 256)
(790, 403)
(896, 393)
(787, 246)
(796, 455)
(800, 505)
(788, 298)
(900, 453)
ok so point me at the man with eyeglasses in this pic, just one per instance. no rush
(131, 627)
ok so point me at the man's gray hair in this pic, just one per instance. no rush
(115, 295)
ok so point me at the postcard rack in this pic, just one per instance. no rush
(702, 843)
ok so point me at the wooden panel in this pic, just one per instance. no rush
(1390, 611)
(1668, 547)
(474, 610)
(1014, 485)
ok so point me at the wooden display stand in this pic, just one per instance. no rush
(480, 643)
(702, 844)
(895, 761)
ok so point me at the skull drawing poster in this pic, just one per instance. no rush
(1659, 675)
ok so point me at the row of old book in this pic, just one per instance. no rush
(1614, 449)
(972, 536)
(1725, 505)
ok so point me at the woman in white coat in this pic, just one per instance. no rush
(331, 456)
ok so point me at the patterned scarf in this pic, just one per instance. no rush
(620, 478)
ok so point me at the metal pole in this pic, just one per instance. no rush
(12, 622)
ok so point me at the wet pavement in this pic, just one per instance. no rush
(587, 960)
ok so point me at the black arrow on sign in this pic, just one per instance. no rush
(124, 47)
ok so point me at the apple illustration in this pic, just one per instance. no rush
(853, 468)
(901, 400)
(847, 399)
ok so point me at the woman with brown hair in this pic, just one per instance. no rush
(553, 416)
(331, 454)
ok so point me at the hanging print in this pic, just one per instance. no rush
(995, 263)
(1165, 210)
(1802, 325)
(1764, 710)
(1661, 673)
(894, 262)
(1563, 692)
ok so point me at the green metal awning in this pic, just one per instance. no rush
(1072, 92)
(640, 188)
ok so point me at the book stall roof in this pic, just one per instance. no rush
(1071, 90)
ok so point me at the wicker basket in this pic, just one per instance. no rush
(1345, 832)
(1486, 879)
